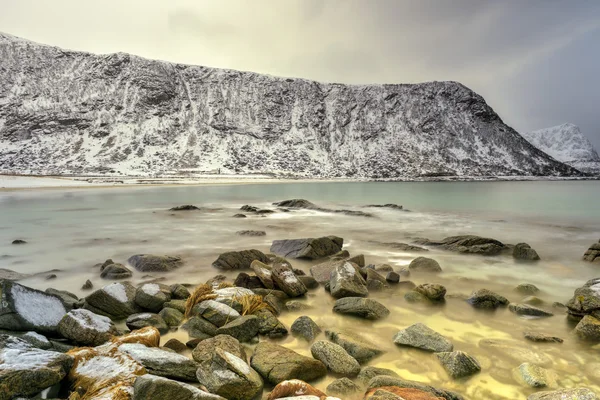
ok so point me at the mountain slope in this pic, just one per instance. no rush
(566, 143)
(72, 112)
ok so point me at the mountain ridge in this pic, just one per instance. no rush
(64, 111)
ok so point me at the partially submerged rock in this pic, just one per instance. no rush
(346, 281)
(311, 248)
(535, 376)
(11, 275)
(115, 271)
(306, 328)
(251, 233)
(369, 372)
(458, 364)
(432, 291)
(305, 204)
(277, 364)
(541, 337)
(516, 351)
(239, 259)
(86, 328)
(243, 328)
(588, 329)
(342, 387)
(487, 299)
(527, 289)
(424, 264)
(335, 358)
(360, 346)
(361, 307)
(586, 300)
(468, 244)
(527, 310)
(422, 337)
(152, 296)
(524, 252)
(153, 263)
(269, 325)
(26, 371)
(26, 309)
(186, 207)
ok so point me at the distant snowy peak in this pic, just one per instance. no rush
(566, 143)
(69, 112)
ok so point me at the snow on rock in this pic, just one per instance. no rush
(86, 328)
(151, 289)
(117, 291)
(566, 143)
(24, 308)
(72, 112)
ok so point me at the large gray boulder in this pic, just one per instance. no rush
(311, 248)
(458, 364)
(360, 346)
(277, 364)
(593, 253)
(424, 264)
(162, 362)
(152, 387)
(153, 263)
(244, 328)
(335, 358)
(565, 394)
(346, 281)
(116, 300)
(487, 299)
(287, 281)
(239, 259)
(86, 328)
(361, 307)
(25, 371)
(152, 296)
(422, 337)
(26, 309)
(229, 376)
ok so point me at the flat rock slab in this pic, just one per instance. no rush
(239, 259)
(277, 364)
(310, 248)
(422, 337)
(361, 307)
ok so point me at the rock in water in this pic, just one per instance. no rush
(424, 264)
(527, 310)
(306, 328)
(361, 307)
(179, 292)
(335, 358)
(239, 259)
(565, 394)
(458, 364)
(115, 271)
(269, 324)
(586, 300)
(162, 362)
(369, 372)
(171, 316)
(11, 275)
(152, 263)
(26, 309)
(342, 387)
(287, 281)
(487, 299)
(198, 327)
(535, 376)
(432, 291)
(251, 233)
(468, 244)
(524, 252)
(307, 248)
(422, 337)
(360, 346)
(277, 364)
(186, 207)
(229, 376)
(527, 289)
(26, 371)
(322, 272)
(516, 351)
(588, 329)
(86, 328)
(593, 253)
(540, 337)
(346, 281)
(152, 387)
(116, 300)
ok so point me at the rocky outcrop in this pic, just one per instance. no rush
(468, 244)
(310, 248)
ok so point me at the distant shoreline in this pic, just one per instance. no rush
(37, 182)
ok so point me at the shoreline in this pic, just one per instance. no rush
(11, 183)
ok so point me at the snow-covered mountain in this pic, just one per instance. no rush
(72, 112)
(566, 143)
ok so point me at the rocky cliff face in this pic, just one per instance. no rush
(566, 143)
(71, 112)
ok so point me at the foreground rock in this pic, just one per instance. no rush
(487, 299)
(335, 358)
(277, 364)
(162, 362)
(199, 328)
(422, 337)
(215, 312)
(152, 263)
(588, 329)
(116, 301)
(229, 376)
(359, 346)
(565, 394)
(424, 264)
(586, 300)
(524, 252)
(239, 259)
(322, 272)
(310, 248)
(263, 272)
(468, 244)
(383, 381)
(86, 328)
(527, 310)
(26, 309)
(346, 281)
(361, 307)
(152, 387)
(593, 253)
(26, 371)
(458, 364)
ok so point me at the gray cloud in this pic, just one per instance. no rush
(535, 61)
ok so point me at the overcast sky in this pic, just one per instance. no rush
(536, 62)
